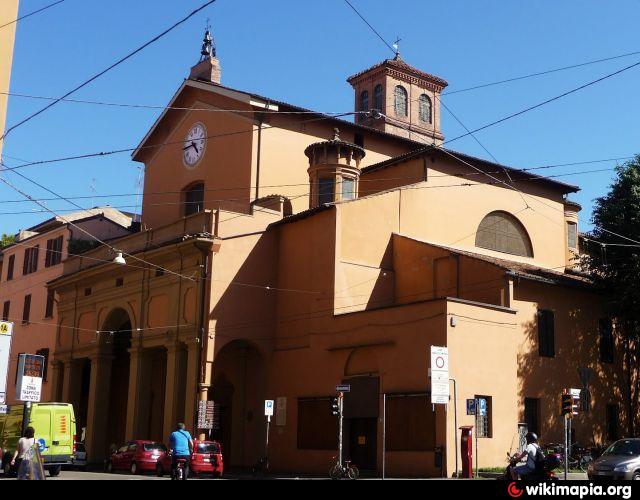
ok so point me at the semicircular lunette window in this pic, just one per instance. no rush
(502, 232)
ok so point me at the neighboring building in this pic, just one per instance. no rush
(8, 13)
(382, 248)
(35, 258)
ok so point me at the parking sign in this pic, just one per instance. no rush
(268, 407)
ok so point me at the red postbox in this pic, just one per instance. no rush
(466, 450)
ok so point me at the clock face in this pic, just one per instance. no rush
(194, 145)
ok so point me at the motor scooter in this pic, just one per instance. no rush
(545, 472)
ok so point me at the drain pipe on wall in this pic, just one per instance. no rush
(201, 368)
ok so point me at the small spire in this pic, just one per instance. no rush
(396, 47)
(208, 44)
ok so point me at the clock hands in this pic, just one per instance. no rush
(192, 145)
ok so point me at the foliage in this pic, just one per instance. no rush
(7, 239)
(613, 257)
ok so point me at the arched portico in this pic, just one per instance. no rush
(239, 388)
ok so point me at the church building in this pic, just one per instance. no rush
(283, 252)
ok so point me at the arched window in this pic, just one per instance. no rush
(193, 197)
(400, 104)
(425, 109)
(364, 101)
(502, 232)
(377, 97)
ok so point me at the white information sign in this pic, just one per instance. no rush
(30, 373)
(439, 375)
(268, 407)
(6, 331)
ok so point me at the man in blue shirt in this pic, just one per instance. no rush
(181, 448)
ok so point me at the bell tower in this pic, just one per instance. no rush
(407, 99)
(208, 68)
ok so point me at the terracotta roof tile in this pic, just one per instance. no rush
(399, 64)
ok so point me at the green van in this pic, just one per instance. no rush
(55, 426)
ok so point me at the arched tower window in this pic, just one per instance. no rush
(193, 199)
(502, 232)
(425, 109)
(377, 97)
(364, 101)
(400, 103)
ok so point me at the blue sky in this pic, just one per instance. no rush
(301, 52)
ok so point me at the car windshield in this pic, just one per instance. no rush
(154, 447)
(627, 447)
(208, 448)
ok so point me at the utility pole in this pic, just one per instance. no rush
(341, 405)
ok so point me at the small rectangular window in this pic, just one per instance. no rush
(194, 199)
(54, 252)
(26, 311)
(483, 422)
(532, 414)
(572, 235)
(45, 354)
(6, 307)
(48, 313)
(30, 264)
(612, 422)
(326, 190)
(607, 341)
(10, 266)
(348, 188)
(546, 334)
(87, 292)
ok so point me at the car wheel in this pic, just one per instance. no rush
(109, 467)
(159, 470)
(133, 469)
(55, 471)
(636, 476)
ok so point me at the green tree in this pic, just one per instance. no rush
(7, 240)
(613, 258)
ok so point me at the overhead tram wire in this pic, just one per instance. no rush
(362, 181)
(530, 108)
(42, 9)
(80, 228)
(109, 68)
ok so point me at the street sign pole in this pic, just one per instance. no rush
(268, 412)
(341, 405)
(384, 435)
(455, 420)
(477, 429)
(266, 446)
(566, 448)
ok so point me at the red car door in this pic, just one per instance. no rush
(116, 458)
(129, 456)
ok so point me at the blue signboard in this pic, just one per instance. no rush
(471, 406)
(482, 407)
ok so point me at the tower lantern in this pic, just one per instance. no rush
(334, 170)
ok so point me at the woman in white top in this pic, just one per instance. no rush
(22, 456)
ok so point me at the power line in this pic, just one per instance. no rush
(540, 73)
(543, 103)
(31, 14)
(362, 181)
(370, 26)
(109, 68)
(163, 108)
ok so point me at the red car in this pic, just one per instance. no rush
(206, 459)
(136, 457)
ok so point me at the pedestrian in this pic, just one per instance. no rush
(24, 454)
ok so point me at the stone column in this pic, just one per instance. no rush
(173, 380)
(133, 398)
(71, 382)
(193, 374)
(98, 406)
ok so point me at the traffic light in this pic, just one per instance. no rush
(335, 406)
(567, 405)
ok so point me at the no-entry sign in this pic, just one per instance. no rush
(439, 375)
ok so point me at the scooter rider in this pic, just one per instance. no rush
(530, 453)
(181, 448)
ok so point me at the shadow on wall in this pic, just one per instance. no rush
(543, 378)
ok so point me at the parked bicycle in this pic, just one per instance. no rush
(345, 470)
(261, 467)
